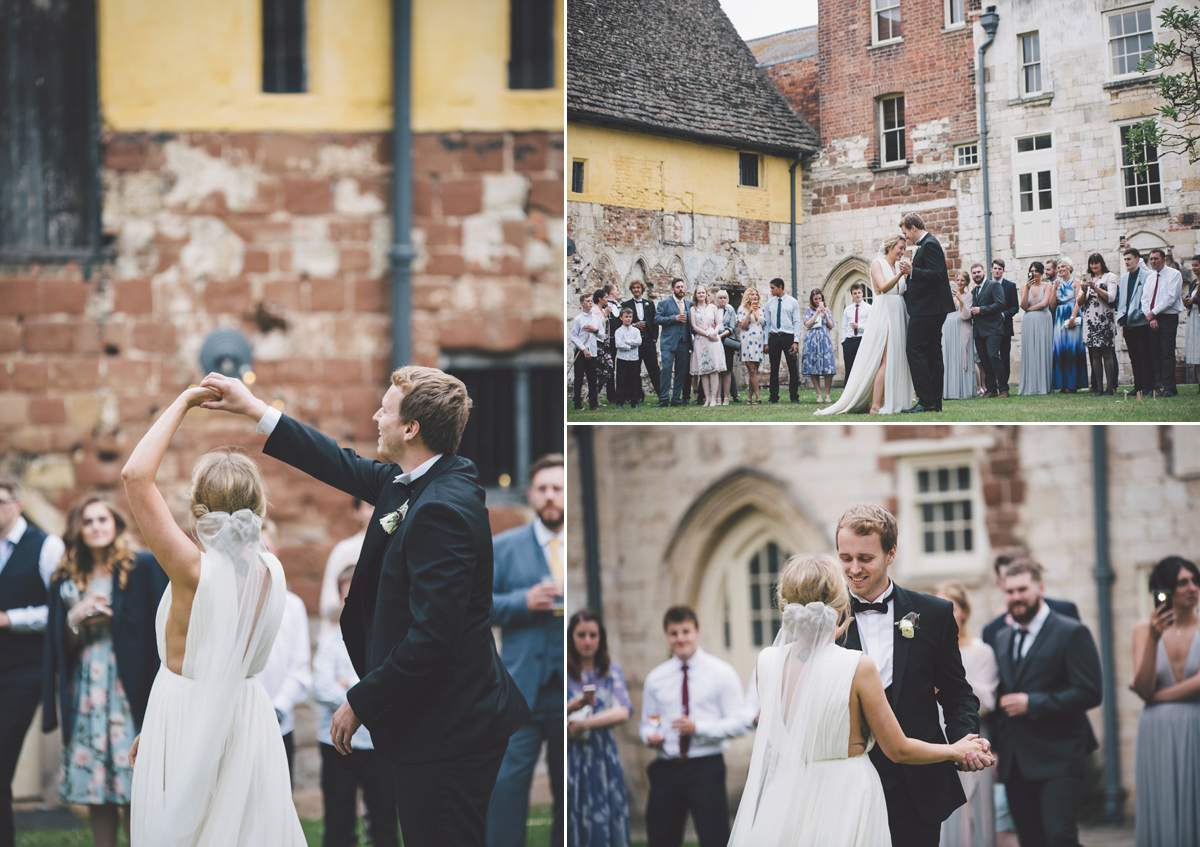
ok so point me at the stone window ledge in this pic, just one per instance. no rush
(1042, 99)
(891, 42)
(1142, 213)
(1132, 82)
(896, 167)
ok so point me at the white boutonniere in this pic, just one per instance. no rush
(909, 624)
(391, 520)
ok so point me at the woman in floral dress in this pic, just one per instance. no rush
(818, 359)
(708, 354)
(1097, 302)
(750, 319)
(597, 807)
(101, 685)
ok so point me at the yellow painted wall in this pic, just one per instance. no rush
(651, 172)
(197, 65)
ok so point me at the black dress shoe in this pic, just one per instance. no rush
(916, 408)
(774, 402)
(1170, 393)
(678, 403)
(662, 404)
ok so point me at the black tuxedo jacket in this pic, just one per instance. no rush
(927, 669)
(650, 333)
(1012, 305)
(417, 620)
(1061, 674)
(928, 289)
(989, 298)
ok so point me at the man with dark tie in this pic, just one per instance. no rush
(1131, 315)
(691, 706)
(1162, 301)
(643, 322)
(989, 332)
(1012, 305)
(854, 324)
(783, 339)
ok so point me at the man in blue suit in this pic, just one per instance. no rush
(674, 342)
(527, 606)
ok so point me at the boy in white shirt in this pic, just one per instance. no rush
(583, 342)
(629, 364)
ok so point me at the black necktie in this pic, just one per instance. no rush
(857, 605)
(1021, 633)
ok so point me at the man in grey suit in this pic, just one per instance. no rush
(1049, 678)
(527, 606)
(674, 342)
(989, 332)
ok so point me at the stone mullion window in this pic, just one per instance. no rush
(891, 127)
(762, 577)
(1031, 64)
(1130, 36)
(1139, 188)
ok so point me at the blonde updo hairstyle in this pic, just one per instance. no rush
(890, 242)
(813, 579)
(227, 481)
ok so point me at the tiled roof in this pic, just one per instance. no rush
(782, 46)
(675, 67)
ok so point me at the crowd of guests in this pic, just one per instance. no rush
(691, 342)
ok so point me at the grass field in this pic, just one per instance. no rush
(1050, 408)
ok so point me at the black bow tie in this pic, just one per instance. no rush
(857, 606)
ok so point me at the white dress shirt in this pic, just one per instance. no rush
(848, 318)
(876, 631)
(332, 663)
(287, 676)
(581, 337)
(783, 315)
(628, 340)
(639, 311)
(1033, 628)
(715, 705)
(1169, 300)
(31, 618)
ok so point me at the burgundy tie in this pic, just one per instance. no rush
(685, 741)
(1154, 296)
(856, 319)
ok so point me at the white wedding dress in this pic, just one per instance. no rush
(211, 769)
(887, 329)
(802, 788)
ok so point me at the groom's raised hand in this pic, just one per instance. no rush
(233, 395)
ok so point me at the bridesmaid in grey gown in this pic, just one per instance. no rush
(1166, 655)
(1037, 333)
(958, 381)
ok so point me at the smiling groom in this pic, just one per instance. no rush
(913, 639)
(417, 620)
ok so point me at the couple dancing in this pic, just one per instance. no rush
(901, 349)
(850, 695)
(209, 764)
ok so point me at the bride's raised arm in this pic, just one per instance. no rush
(879, 277)
(177, 553)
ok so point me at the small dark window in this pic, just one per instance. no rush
(748, 167)
(531, 44)
(284, 65)
(577, 177)
(1037, 142)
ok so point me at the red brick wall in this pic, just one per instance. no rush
(800, 84)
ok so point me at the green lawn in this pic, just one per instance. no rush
(1074, 408)
(538, 833)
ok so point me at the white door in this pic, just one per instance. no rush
(1035, 200)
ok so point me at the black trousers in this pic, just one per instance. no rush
(18, 703)
(907, 827)
(445, 803)
(924, 351)
(1045, 811)
(995, 366)
(781, 345)
(849, 353)
(1141, 356)
(585, 368)
(648, 353)
(341, 777)
(679, 786)
(629, 381)
(1164, 350)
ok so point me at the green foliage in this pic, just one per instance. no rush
(1177, 127)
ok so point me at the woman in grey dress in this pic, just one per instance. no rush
(1037, 332)
(1166, 660)
(1192, 304)
(958, 383)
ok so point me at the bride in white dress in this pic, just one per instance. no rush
(209, 765)
(810, 780)
(880, 376)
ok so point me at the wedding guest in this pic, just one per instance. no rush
(730, 342)
(1012, 305)
(708, 360)
(1130, 316)
(1070, 360)
(583, 339)
(1162, 301)
(974, 823)
(818, 359)
(605, 368)
(597, 700)
(750, 321)
(691, 707)
(854, 324)
(28, 557)
(629, 364)
(1166, 660)
(1037, 333)
(341, 776)
(343, 554)
(1192, 304)
(1051, 269)
(643, 322)
(675, 344)
(959, 380)
(101, 657)
(1097, 300)
(783, 339)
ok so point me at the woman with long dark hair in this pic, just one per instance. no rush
(597, 700)
(100, 659)
(1097, 302)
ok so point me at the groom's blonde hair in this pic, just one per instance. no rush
(437, 401)
(867, 518)
(813, 579)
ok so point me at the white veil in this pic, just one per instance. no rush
(235, 616)
(789, 725)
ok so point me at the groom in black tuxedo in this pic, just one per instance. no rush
(929, 301)
(417, 620)
(920, 666)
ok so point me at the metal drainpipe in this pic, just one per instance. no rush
(591, 530)
(1114, 794)
(402, 252)
(792, 172)
(989, 20)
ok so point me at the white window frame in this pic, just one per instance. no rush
(1122, 168)
(960, 564)
(1026, 91)
(1130, 70)
(960, 153)
(875, 11)
(883, 132)
(948, 8)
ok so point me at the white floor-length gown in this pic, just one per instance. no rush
(802, 788)
(887, 329)
(211, 769)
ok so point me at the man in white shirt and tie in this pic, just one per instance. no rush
(854, 324)
(1162, 301)
(783, 339)
(691, 706)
